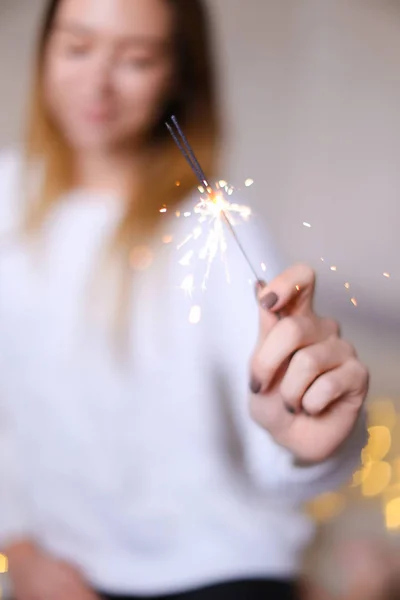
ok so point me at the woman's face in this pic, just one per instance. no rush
(108, 70)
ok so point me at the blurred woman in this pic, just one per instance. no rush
(133, 463)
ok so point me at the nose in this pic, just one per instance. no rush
(101, 75)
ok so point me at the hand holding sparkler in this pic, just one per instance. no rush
(307, 384)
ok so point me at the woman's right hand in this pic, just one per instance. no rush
(35, 575)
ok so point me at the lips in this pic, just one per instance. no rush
(97, 115)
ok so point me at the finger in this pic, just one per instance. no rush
(292, 291)
(288, 336)
(310, 363)
(349, 381)
(267, 319)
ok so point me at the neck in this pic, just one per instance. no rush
(112, 172)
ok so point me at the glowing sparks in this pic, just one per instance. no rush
(354, 302)
(215, 216)
(387, 275)
(306, 224)
(178, 213)
(333, 268)
(163, 209)
(167, 239)
(347, 285)
(222, 183)
(187, 285)
(248, 182)
(298, 288)
(195, 315)
(263, 267)
(177, 183)
(186, 260)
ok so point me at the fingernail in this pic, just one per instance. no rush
(290, 409)
(259, 286)
(269, 301)
(255, 385)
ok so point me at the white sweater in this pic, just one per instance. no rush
(147, 473)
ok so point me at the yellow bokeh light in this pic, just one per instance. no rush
(392, 514)
(382, 412)
(379, 443)
(326, 507)
(396, 469)
(377, 480)
(3, 564)
(360, 476)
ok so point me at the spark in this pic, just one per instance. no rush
(221, 207)
(298, 288)
(186, 260)
(215, 210)
(177, 183)
(178, 213)
(222, 183)
(263, 267)
(187, 214)
(195, 315)
(387, 275)
(163, 209)
(354, 302)
(333, 268)
(167, 239)
(347, 286)
(248, 182)
(187, 285)
(307, 225)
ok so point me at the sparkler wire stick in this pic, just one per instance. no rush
(187, 151)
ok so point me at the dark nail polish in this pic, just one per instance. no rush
(290, 409)
(269, 301)
(255, 385)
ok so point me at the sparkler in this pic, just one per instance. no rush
(214, 207)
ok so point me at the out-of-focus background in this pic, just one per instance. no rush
(311, 97)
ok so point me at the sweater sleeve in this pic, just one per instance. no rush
(235, 331)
